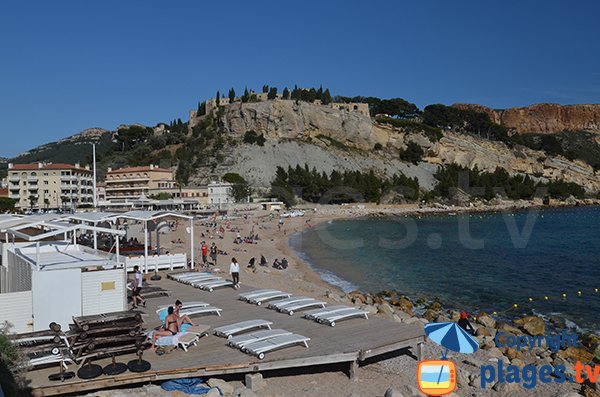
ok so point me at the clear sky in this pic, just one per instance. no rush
(70, 65)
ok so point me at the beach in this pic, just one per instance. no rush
(375, 378)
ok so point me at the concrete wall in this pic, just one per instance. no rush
(103, 291)
(56, 297)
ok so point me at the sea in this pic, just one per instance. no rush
(534, 261)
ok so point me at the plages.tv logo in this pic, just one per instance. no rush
(438, 377)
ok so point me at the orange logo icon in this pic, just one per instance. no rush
(436, 377)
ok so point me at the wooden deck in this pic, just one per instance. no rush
(350, 341)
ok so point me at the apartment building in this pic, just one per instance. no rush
(136, 182)
(50, 186)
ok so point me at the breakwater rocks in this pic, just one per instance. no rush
(523, 342)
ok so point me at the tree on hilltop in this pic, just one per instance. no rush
(272, 93)
(246, 96)
(286, 93)
(231, 95)
(265, 89)
(218, 98)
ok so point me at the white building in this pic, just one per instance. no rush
(219, 193)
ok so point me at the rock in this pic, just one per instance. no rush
(430, 315)
(507, 328)
(511, 353)
(405, 305)
(485, 320)
(225, 387)
(462, 377)
(254, 382)
(494, 352)
(505, 388)
(385, 308)
(482, 331)
(368, 308)
(589, 340)
(435, 306)
(558, 322)
(356, 297)
(518, 362)
(533, 325)
(392, 393)
(214, 392)
(575, 353)
(410, 391)
(245, 392)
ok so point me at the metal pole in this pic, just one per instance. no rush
(192, 241)
(145, 247)
(118, 256)
(37, 255)
(94, 192)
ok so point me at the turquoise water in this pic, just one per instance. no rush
(474, 262)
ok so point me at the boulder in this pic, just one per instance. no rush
(225, 387)
(392, 393)
(485, 320)
(386, 309)
(507, 328)
(430, 315)
(244, 392)
(572, 353)
(214, 392)
(403, 303)
(482, 331)
(511, 353)
(533, 325)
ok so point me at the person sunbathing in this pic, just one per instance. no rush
(169, 328)
(181, 319)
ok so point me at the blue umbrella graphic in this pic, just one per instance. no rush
(452, 337)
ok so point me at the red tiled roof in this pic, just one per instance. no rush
(138, 169)
(57, 166)
(3, 192)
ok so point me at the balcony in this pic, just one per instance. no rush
(117, 188)
(14, 178)
(32, 178)
(128, 179)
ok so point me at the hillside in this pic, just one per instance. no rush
(253, 139)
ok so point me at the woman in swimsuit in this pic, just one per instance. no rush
(170, 328)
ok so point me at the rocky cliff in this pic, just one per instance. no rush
(546, 118)
(329, 139)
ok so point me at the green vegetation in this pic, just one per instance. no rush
(10, 360)
(413, 153)
(161, 196)
(7, 205)
(338, 187)
(334, 142)
(464, 120)
(240, 190)
(393, 107)
(251, 137)
(433, 133)
(486, 185)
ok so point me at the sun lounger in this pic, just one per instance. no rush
(184, 339)
(228, 331)
(191, 311)
(278, 304)
(279, 342)
(295, 307)
(199, 278)
(258, 300)
(251, 294)
(179, 276)
(210, 286)
(331, 318)
(242, 340)
(185, 305)
(326, 310)
(39, 359)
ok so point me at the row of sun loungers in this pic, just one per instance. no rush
(291, 304)
(204, 281)
(260, 342)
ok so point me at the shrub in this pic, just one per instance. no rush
(413, 153)
(377, 146)
(250, 137)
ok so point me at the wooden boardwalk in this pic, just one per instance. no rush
(350, 341)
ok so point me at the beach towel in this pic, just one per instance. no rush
(188, 386)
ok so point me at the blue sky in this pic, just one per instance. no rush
(71, 65)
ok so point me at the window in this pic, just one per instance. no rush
(45, 182)
(45, 192)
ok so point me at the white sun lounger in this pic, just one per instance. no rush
(183, 276)
(294, 307)
(252, 294)
(185, 305)
(242, 340)
(326, 310)
(194, 311)
(258, 300)
(278, 304)
(199, 278)
(279, 342)
(331, 318)
(210, 286)
(228, 331)
(42, 359)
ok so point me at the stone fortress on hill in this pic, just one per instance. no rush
(211, 104)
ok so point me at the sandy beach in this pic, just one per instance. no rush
(299, 278)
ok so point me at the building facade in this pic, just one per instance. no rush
(219, 193)
(43, 186)
(137, 182)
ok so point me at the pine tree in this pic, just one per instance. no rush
(272, 93)
(246, 95)
(326, 97)
(218, 98)
(286, 93)
(231, 95)
(265, 89)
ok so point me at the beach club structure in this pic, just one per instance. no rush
(49, 272)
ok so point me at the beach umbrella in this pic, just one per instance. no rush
(451, 336)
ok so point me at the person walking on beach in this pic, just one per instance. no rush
(213, 253)
(234, 270)
(464, 323)
(137, 287)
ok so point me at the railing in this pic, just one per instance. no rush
(160, 262)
